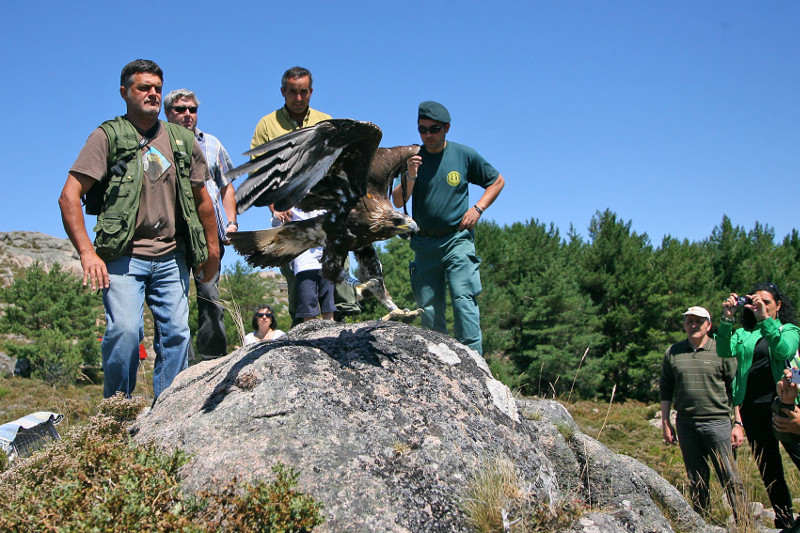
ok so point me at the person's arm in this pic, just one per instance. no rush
(410, 178)
(789, 421)
(666, 426)
(228, 196)
(666, 388)
(783, 341)
(724, 332)
(473, 214)
(205, 211)
(94, 268)
(737, 433)
(260, 134)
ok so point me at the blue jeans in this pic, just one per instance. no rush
(448, 262)
(164, 283)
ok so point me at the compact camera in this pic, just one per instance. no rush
(795, 375)
(742, 300)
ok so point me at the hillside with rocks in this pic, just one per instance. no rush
(21, 249)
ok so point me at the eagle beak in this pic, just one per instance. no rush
(411, 227)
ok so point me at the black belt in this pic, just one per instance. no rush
(435, 233)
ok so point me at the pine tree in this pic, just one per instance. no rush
(60, 319)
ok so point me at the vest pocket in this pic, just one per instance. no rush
(110, 232)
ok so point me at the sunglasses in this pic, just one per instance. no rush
(262, 315)
(180, 109)
(432, 129)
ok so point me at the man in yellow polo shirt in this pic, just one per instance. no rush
(296, 113)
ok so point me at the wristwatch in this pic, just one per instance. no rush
(233, 223)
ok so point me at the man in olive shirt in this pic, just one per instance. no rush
(296, 113)
(700, 383)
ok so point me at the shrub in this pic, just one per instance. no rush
(58, 316)
(97, 479)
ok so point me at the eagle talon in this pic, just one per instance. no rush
(403, 315)
(365, 286)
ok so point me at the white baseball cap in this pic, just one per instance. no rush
(696, 310)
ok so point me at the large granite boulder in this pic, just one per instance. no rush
(388, 424)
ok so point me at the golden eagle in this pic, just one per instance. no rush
(337, 166)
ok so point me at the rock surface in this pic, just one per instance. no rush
(20, 249)
(387, 424)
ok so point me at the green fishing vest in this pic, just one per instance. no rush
(120, 199)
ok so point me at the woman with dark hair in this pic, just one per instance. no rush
(767, 339)
(264, 325)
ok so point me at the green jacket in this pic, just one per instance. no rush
(116, 222)
(783, 340)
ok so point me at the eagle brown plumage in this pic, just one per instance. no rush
(335, 165)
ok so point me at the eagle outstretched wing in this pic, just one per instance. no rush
(324, 166)
(334, 166)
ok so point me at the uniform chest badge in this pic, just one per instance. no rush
(453, 178)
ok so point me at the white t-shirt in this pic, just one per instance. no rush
(311, 259)
(251, 338)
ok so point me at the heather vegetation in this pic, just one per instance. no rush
(97, 479)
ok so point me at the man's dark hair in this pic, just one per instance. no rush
(138, 66)
(785, 313)
(296, 72)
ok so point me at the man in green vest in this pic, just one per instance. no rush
(296, 113)
(155, 221)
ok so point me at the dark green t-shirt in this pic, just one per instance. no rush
(441, 192)
(698, 383)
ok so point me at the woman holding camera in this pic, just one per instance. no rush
(766, 340)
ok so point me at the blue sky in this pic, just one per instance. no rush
(670, 114)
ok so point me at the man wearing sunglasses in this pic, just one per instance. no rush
(444, 248)
(180, 106)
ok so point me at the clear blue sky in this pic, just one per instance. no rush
(671, 114)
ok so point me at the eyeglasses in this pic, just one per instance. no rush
(432, 129)
(262, 315)
(180, 109)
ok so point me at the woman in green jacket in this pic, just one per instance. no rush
(762, 346)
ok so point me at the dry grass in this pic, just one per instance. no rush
(627, 430)
(497, 499)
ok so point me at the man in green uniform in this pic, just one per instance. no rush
(444, 248)
(296, 113)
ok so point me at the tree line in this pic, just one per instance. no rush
(549, 298)
(547, 301)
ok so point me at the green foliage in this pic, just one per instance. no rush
(276, 506)
(59, 318)
(547, 298)
(97, 479)
(241, 290)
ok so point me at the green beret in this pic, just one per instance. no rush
(434, 111)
